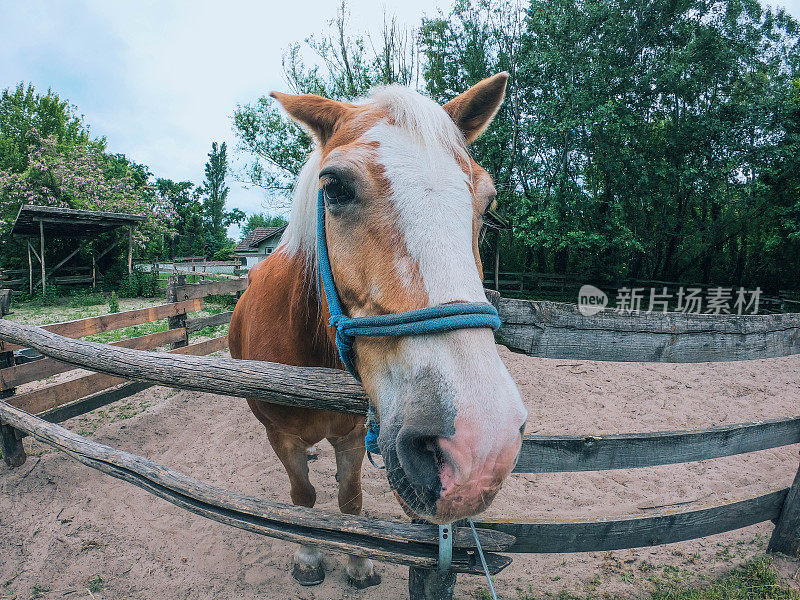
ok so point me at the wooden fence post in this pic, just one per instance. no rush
(10, 439)
(430, 584)
(786, 537)
(41, 249)
(177, 321)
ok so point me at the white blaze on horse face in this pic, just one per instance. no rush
(434, 207)
(435, 217)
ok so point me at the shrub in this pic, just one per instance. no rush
(149, 283)
(223, 253)
(113, 303)
(129, 286)
(139, 283)
(85, 297)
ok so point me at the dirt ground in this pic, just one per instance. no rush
(67, 531)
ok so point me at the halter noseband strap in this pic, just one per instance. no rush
(434, 319)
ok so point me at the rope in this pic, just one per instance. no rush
(433, 319)
(371, 439)
(483, 560)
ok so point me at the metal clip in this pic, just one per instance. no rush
(445, 548)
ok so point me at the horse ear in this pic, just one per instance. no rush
(474, 110)
(315, 113)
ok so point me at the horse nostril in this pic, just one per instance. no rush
(420, 457)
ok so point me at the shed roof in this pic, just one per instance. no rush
(69, 222)
(255, 237)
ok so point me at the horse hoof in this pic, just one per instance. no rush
(308, 576)
(312, 453)
(361, 584)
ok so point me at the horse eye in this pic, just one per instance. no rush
(336, 193)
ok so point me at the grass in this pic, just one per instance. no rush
(755, 580)
(115, 335)
(39, 590)
(95, 584)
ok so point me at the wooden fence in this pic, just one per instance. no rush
(415, 545)
(18, 279)
(197, 268)
(558, 330)
(568, 285)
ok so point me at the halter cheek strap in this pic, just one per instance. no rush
(434, 319)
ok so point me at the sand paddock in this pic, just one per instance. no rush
(63, 525)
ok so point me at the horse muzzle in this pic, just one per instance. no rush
(444, 463)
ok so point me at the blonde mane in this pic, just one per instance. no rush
(407, 109)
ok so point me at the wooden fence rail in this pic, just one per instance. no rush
(565, 453)
(558, 330)
(328, 389)
(407, 544)
(602, 534)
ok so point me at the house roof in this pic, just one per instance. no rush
(255, 237)
(69, 222)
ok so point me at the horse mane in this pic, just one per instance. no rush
(407, 109)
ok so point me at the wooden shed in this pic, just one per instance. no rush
(492, 221)
(50, 222)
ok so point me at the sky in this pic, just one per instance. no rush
(161, 79)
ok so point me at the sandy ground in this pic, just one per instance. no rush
(70, 532)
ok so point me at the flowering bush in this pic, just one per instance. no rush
(79, 177)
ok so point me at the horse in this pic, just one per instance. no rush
(403, 209)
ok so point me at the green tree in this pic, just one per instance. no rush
(261, 220)
(346, 66)
(647, 139)
(184, 199)
(215, 193)
(27, 117)
(191, 241)
(637, 136)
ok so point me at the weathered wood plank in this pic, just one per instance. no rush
(555, 454)
(786, 537)
(47, 367)
(108, 396)
(177, 321)
(558, 330)
(109, 322)
(210, 288)
(11, 445)
(193, 325)
(201, 273)
(50, 397)
(430, 584)
(311, 387)
(14, 453)
(90, 403)
(403, 543)
(595, 535)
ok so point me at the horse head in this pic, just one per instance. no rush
(403, 209)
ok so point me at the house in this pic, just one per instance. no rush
(258, 245)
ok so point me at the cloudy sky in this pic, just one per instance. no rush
(161, 79)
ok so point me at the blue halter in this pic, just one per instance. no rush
(434, 319)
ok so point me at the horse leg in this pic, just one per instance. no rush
(350, 452)
(307, 566)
